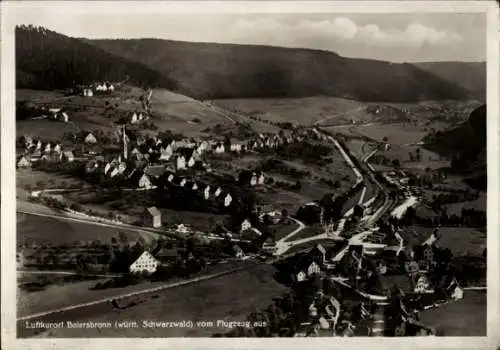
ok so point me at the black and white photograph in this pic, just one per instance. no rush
(249, 174)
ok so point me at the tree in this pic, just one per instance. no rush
(396, 163)
(385, 139)
(418, 155)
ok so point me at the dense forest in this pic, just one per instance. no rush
(48, 60)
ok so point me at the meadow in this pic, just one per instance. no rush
(231, 298)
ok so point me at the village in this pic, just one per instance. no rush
(343, 252)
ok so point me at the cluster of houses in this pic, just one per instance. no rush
(149, 261)
(36, 150)
(97, 88)
(372, 277)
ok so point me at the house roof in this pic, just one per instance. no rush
(153, 211)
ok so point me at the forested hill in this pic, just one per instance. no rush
(48, 60)
(469, 75)
(209, 71)
(465, 144)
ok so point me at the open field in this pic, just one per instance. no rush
(471, 322)
(29, 177)
(42, 230)
(457, 239)
(232, 298)
(300, 110)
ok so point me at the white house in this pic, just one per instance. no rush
(145, 182)
(220, 148)
(23, 162)
(90, 138)
(121, 168)
(206, 192)
(114, 172)
(170, 178)
(48, 148)
(245, 225)
(227, 200)
(57, 148)
(88, 92)
(183, 182)
(39, 145)
(195, 187)
(313, 268)
(191, 162)
(180, 163)
(218, 191)
(301, 276)
(145, 262)
(260, 179)
(107, 168)
(165, 153)
(253, 180)
(236, 147)
(422, 285)
(69, 156)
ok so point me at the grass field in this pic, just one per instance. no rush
(457, 239)
(40, 230)
(31, 177)
(232, 298)
(301, 110)
(463, 318)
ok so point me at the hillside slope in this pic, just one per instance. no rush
(211, 71)
(466, 145)
(48, 60)
(469, 75)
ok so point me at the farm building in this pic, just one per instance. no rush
(144, 263)
(228, 200)
(152, 217)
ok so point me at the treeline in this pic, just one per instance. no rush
(468, 218)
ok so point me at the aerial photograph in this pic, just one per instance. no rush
(251, 175)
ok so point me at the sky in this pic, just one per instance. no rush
(409, 37)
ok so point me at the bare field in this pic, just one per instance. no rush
(473, 323)
(301, 110)
(231, 298)
(42, 230)
(29, 177)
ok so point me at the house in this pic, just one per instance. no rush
(227, 200)
(166, 153)
(171, 178)
(68, 156)
(145, 263)
(260, 178)
(245, 225)
(206, 192)
(183, 182)
(115, 171)
(39, 145)
(145, 182)
(253, 179)
(300, 276)
(191, 162)
(219, 149)
(87, 92)
(180, 163)
(421, 284)
(57, 148)
(320, 252)
(152, 217)
(181, 228)
(48, 148)
(23, 162)
(217, 192)
(235, 147)
(90, 139)
(313, 269)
